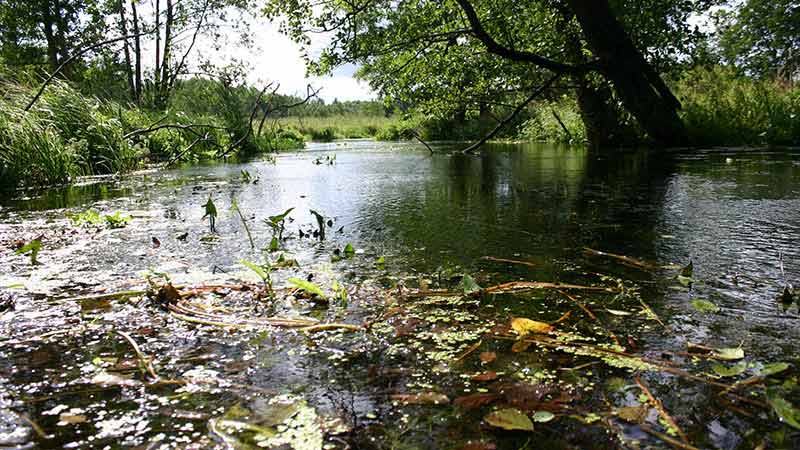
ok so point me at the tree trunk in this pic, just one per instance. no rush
(640, 88)
(47, 24)
(137, 47)
(126, 48)
(157, 72)
(164, 88)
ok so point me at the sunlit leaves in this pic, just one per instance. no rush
(509, 419)
(523, 326)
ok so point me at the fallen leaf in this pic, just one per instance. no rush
(107, 379)
(728, 354)
(488, 357)
(725, 371)
(156, 242)
(424, 398)
(509, 419)
(543, 416)
(618, 312)
(704, 306)
(468, 285)
(72, 418)
(479, 446)
(485, 376)
(633, 414)
(523, 326)
(475, 401)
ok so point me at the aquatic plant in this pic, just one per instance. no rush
(210, 212)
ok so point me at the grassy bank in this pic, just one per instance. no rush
(325, 129)
(67, 134)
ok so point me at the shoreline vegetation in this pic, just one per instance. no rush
(69, 134)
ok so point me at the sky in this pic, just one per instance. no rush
(275, 57)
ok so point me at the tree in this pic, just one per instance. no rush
(457, 54)
(762, 38)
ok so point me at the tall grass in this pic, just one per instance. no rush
(346, 126)
(721, 108)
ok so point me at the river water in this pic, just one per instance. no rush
(734, 214)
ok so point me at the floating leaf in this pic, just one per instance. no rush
(488, 357)
(704, 306)
(307, 286)
(509, 419)
(485, 376)
(617, 312)
(468, 285)
(732, 371)
(784, 409)
(729, 354)
(543, 416)
(424, 398)
(772, 369)
(634, 414)
(475, 401)
(523, 326)
(380, 262)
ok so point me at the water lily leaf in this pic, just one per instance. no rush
(468, 285)
(509, 419)
(307, 286)
(705, 306)
(524, 326)
(732, 371)
(543, 416)
(424, 398)
(729, 354)
(784, 409)
(772, 369)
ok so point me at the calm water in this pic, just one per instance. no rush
(734, 214)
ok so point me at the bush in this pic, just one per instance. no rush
(721, 108)
(544, 123)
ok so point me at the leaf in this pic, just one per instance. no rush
(728, 354)
(488, 357)
(280, 217)
(381, 261)
(468, 285)
(772, 369)
(523, 326)
(33, 247)
(617, 312)
(543, 416)
(349, 251)
(633, 414)
(521, 346)
(726, 371)
(475, 401)
(210, 209)
(705, 306)
(424, 398)
(485, 376)
(307, 286)
(273, 244)
(509, 419)
(688, 270)
(686, 281)
(256, 268)
(784, 409)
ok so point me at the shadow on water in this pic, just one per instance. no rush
(433, 219)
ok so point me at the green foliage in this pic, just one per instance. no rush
(544, 126)
(721, 108)
(32, 248)
(116, 220)
(211, 212)
(308, 287)
(88, 217)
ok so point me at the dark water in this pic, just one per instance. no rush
(734, 214)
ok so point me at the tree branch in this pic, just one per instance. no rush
(513, 114)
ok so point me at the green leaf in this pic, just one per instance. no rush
(543, 416)
(509, 419)
(784, 409)
(210, 209)
(280, 217)
(729, 354)
(259, 270)
(307, 286)
(33, 247)
(772, 369)
(705, 306)
(726, 371)
(349, 251)
(468, 285)
(688, 271)
(380, 262)
(685, 281)
(273, 244)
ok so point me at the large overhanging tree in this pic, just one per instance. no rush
(442, 54)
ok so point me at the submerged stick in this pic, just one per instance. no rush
(510, 261)
(661, 411)
(669, 440)
(589, 313)
(533, 285)
(626, 260)
(146, 362)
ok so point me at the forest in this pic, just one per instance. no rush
(550, 224)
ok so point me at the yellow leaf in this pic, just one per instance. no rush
(526, 326)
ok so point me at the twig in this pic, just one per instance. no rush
(626, 260)
(673, 442)
(146, 362)
(510, 261)
(661, 411)
(469, 351)
(35, 426)
(417, 137)
(532, 285)
(331, 326)
(591, 315)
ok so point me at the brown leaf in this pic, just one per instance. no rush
(523, 326)
(475, 401)
(488, 357)
(479, 446)
(423, 398)
(520, 346)
(524, 395)
(72, 418)
(633, 414)
(485, 376)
